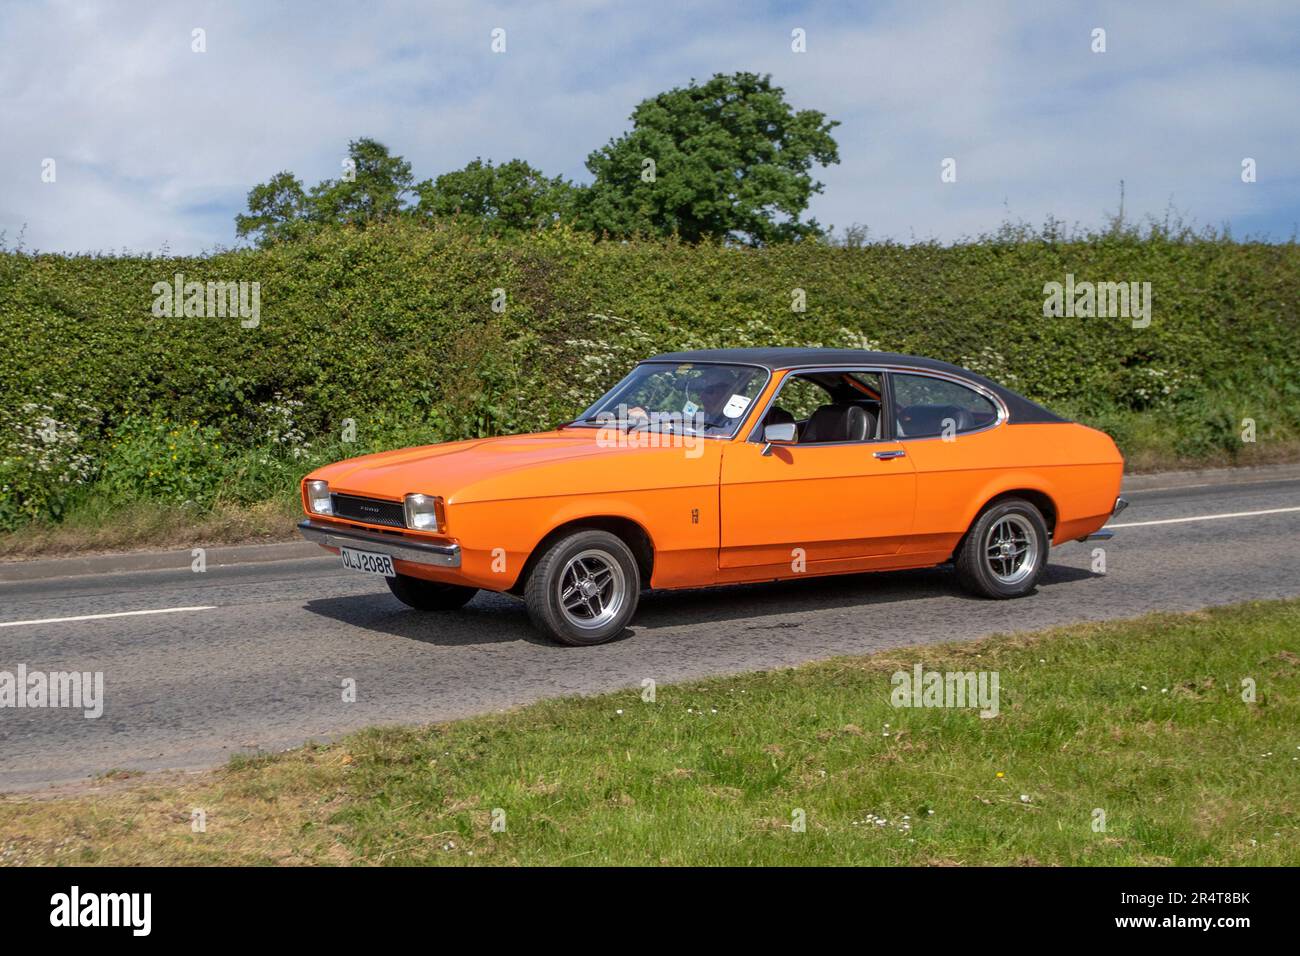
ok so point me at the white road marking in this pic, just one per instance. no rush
(1210, 484)
(1235, 514)
(96, 617)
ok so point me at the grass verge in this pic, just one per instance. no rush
(148, 525)
(1142, 720)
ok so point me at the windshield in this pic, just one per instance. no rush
(691, 397)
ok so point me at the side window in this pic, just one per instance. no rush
(801, 398)
(829, 407)
(926, 407)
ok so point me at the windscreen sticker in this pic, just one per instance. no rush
(735, 406)
(690, 408)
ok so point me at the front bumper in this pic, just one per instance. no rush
(399, 549)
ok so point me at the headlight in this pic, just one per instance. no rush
(318, 498)
(423, 512)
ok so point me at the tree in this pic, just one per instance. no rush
(276, 210)
(725, 159)
(510, 198)
(376, 188)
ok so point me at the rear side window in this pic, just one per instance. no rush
(926, 407)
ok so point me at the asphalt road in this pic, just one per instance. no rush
(262, 665)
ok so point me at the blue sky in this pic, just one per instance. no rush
(156, 146)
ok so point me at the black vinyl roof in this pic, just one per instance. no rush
(1020, 409)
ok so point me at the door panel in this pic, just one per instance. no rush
(957, 446)
(835, 501)
(950, 476)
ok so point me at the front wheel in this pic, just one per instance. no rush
(1005, 551)
(429, 595)
(584, 588)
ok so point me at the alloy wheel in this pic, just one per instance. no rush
(592, 589)
(1011, 549)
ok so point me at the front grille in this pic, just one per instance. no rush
(370, 510)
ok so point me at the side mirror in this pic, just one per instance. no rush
(784, 433)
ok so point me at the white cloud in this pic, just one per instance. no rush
(157, 144)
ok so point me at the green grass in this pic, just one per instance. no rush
(1143, 720)
(102, 525)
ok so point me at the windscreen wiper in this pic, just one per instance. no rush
(589, 420)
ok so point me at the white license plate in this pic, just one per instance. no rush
(367, 562)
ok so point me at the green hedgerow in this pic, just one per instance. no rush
(435, 332)
(152, 457)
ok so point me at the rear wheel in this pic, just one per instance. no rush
(584, 589)
(1005, 551)
(429, 595)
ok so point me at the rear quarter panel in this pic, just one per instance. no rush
(1077, 467)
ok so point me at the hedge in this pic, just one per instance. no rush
(397, 325)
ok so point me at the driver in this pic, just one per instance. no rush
(715, 389)
(714, 395)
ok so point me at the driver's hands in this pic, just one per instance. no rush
(637, 411)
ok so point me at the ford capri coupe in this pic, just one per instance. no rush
(727, 466)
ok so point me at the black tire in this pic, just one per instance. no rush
(611, 569)
(988, 560)
(429, 595)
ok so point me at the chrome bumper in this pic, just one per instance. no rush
(399, 549)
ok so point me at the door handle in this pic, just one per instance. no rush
(891, 454)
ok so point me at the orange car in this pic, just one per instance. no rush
(724, 466)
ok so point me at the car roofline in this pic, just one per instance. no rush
(1020, 410)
